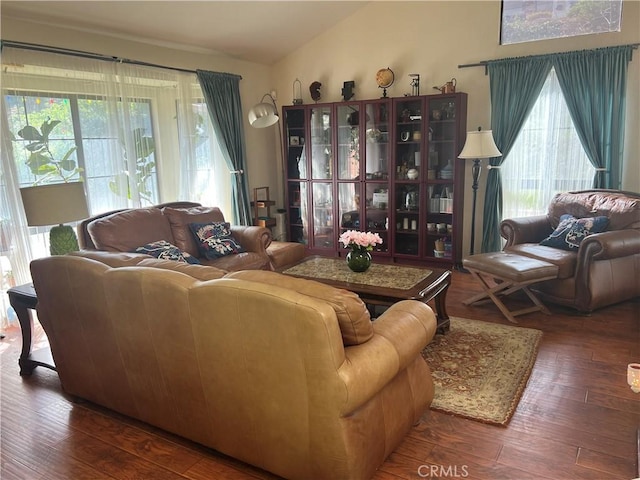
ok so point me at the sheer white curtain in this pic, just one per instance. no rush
(15, 245)
(202, 163)
(547, 157)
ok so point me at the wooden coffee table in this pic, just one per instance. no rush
(383, 284)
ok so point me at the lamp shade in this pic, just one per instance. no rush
(480, 144)
(54, 204)
(263, 115)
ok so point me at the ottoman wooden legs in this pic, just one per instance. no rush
(502, 273)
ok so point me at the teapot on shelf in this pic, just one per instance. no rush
(448, 87)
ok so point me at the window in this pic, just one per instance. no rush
(80, 145)
(136, 135)
(528, 21)
(546, 158)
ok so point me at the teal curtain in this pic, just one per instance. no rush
(515, 85)
(594, 85)
(222, 95)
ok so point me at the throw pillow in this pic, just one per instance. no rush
(571, 231)
(179, 220)
(215, 240)
(167, 251)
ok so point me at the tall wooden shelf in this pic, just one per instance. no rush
(261, 205)
(386, 165)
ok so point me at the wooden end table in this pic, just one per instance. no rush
(382, 284)
(23, 299)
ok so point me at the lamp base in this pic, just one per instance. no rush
(62, 240)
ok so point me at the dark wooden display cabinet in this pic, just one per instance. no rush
(388, 166)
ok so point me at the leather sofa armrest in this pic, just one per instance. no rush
(602, 247)
(400, 335)
(525, 229)
(252, 238)
(611, 244)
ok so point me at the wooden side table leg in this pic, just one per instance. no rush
(23, 299)
(26, 327)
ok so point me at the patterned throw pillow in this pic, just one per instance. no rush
(167, 251)
(215, 240)
(571, 231)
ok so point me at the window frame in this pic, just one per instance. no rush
(78, 135)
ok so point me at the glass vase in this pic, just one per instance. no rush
(359, 259)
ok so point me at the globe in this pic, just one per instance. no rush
(384, 77)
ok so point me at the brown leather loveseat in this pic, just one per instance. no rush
(604, 269)
(283, 373)
(126, 230)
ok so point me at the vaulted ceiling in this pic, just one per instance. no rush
(256, 31)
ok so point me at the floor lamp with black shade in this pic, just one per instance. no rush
(479, 145)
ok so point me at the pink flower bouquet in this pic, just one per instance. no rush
(360, 240)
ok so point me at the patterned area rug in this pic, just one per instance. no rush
(480, 369)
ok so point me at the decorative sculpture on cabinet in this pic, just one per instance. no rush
(314, 89)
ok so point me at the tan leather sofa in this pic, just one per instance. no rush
(283, 373)
(606, 267)
(125, 230)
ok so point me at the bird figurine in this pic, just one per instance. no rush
(314, 89)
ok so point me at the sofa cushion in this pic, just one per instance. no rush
(199, 272)
(622, 208)
(353, 317)
(113, 259)
(179, 220)
(239, 261)
(570, 232)
(125, 231)
(166, 251)
(215, 240)
(565, 260)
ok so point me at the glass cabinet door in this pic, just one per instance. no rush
(442, 156)
(407, 176)
(294, 133)
(298, 212)
(348, 148)
(320, 145)
(349, 206)
(377, 212)
(408, 140)
(376, 171)
(296, 174)
(324, 234)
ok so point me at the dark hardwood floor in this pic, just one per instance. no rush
(577, 419)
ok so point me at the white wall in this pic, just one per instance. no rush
(432, 38)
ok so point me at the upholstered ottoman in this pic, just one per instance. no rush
(283, 254)
(503, 273)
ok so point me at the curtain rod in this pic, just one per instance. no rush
(80, 53)
(484, 63)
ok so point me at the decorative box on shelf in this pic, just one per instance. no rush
(446, 205)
